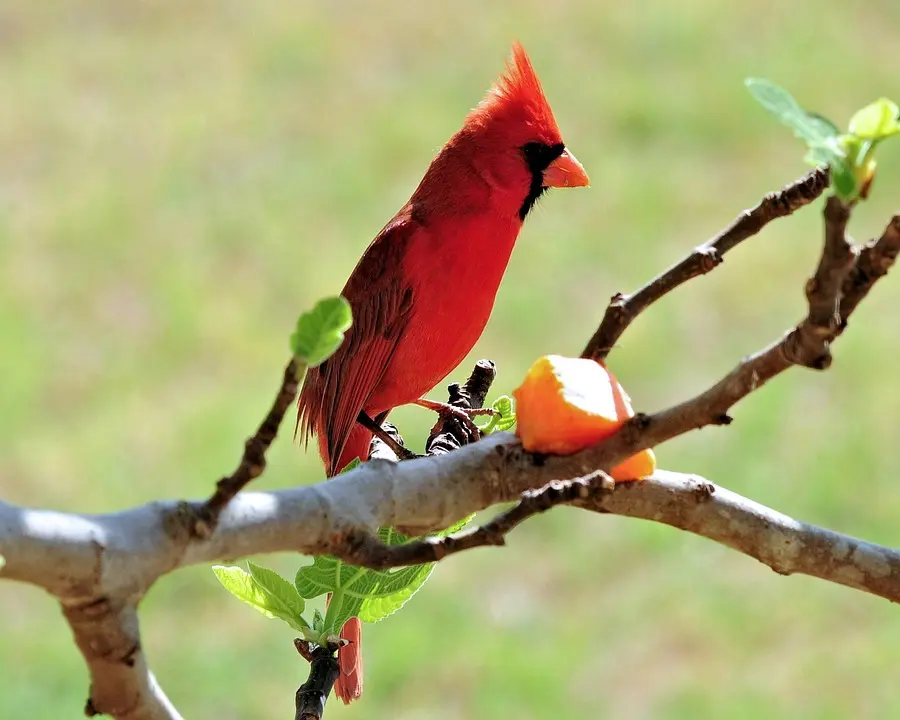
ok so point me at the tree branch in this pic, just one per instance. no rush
(624, 309)
(309, 700)
(292, 520)
(686, 502)
(101, 565)
(107, 633)
(875, 259)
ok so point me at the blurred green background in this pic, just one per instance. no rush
(179, 180)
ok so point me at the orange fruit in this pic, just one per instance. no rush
(567, 404)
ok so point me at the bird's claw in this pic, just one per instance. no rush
(463, 415)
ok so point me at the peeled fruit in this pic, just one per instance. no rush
(567, 404)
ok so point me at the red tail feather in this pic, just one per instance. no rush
(349, 685)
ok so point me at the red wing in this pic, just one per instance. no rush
(381, 299)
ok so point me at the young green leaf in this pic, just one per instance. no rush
(352, 465)
(326, 574)
(370, 595)
(504, 417)
(280, 589)
(844, 182)
(876, 121)
(268, 597)
(393, 592)
(320, 331)
(810, 127)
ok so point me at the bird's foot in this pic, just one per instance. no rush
(464, 415)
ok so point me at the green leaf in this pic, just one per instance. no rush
(326, 575)
(320, 331)
(827, 126)
(821, 156)
(811, 127)
(352, 465)
(848, 155)
(504, 417)
(280, 589)
(876, 121)
(393, 592)
(407, 580)
(268, 597)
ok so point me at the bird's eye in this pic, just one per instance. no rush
(538, 155)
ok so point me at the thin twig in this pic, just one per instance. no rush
(801, 346)
(392, 440)
(253, 460)
(876, 258)
(808, 344)
(623, 309)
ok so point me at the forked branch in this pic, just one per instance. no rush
(624, 309)
(101, 566)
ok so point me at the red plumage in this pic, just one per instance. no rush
(423, 290)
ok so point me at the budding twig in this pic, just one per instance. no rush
(624, 309)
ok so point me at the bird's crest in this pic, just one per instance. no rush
(517, 98)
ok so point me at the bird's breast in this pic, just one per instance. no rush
(455, 271)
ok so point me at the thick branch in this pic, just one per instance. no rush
(309, 701)
(107, 633)
(876, 258)
(293, 520)
(623, 309)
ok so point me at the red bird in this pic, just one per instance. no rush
(423, 290)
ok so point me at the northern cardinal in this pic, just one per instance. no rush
(423, 290)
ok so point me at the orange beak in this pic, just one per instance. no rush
(566, 171)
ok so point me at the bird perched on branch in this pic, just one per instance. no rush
(424, 289)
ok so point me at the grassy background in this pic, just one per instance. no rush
(179, 180)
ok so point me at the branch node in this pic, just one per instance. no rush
(704, 491)
(641, 421)
(822, 362)
(708, 258)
